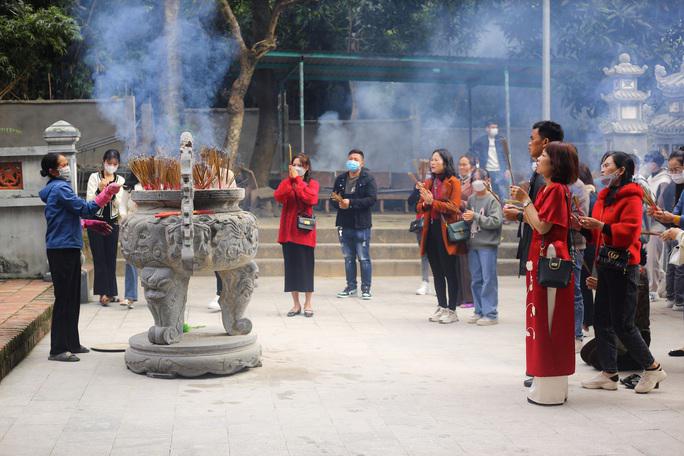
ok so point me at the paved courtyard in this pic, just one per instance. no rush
(360, 378)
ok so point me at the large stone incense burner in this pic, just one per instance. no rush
(172, 235)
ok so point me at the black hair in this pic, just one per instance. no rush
(635, 158)
(471, 159)
(448, 160)
(622, 160)
(356, 151)
(549, 130)
(48, 162)
(654, 157)
(482, 173)
(111, 154)
(130, 182)
(585, 174)
(677, 155)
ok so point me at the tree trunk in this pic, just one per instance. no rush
(170, 93)
(266, 140)
(236, 103)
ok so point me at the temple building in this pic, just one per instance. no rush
(667, 129)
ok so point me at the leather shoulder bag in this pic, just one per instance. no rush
(611, 257)
(556, 272)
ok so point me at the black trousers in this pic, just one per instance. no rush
(104, 249)
(587, 294)
(444, 267)
(65, 268)
(614, 312)
(299, 267)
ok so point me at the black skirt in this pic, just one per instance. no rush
(299, 267)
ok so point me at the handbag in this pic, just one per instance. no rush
(416, 226)
(612, 258)
(555, 272)
(458, 231)
(306, 223)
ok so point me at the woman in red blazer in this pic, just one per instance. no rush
(440, 202)
(616, 223)
(298, 193)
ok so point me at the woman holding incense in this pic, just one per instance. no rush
(105, 248)
(298, 193)
(466, 165)
(64, 241)
(549, 313)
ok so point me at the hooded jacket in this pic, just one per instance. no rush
(624, 218)
(63, 212)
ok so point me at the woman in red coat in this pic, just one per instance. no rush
(617, 226)
(298, 193)
(549, 313)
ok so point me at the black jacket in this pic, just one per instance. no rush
(480, 149)
(362, 199)
(537, 182)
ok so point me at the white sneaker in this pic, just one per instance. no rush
(214, 304)
(438, 314)
(669, 304)
(578, 345)
(448, 316)
(650, 379)
(486, 321)
(678, 307)
(423, 289)
(473, 319)
(601, 381)
(653, 296)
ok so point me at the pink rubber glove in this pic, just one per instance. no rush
(98, 226)
(107, 194)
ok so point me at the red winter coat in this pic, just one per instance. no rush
(624, 217)
(297, 198)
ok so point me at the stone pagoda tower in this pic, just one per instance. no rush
(626, 129)
(667, 129)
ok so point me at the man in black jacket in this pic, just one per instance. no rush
(359, 193)
(489, 151)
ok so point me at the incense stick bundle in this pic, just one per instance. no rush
(202, 175)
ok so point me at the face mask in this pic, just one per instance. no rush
(65, 173)
(300, 170)
(479, 185)
(111, 169)
(677, 178)
(352, 165)
(610, 179)
(493, 132)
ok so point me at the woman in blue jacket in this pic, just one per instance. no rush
(64, 241)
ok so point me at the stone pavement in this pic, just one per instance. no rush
(360, 378)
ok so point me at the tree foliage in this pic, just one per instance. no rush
(32, 41)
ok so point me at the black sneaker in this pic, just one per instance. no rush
(366, 295)
(347, 292)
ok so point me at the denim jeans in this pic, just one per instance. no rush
(579, 298)
(485, 285)
(500, 183)
(356, 244)
(131, 283)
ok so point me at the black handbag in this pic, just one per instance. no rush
(416, 226)
(556, 272)
(306, 223)
(612, 258)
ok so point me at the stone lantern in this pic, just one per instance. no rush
(667, 129)
(625, 129)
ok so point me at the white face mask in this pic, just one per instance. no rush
(478, 185)
(110, 169)
(300, 171)
(677, 178)
(65, 173)
(493, 132)
(610, 179)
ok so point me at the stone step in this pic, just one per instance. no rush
(401, 234)
(269, 267)
(386, 251)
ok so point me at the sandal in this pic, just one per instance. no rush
(104, 301)
(308, 313)
(64, 356)
(293, 313)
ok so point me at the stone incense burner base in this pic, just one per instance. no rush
(198, 353)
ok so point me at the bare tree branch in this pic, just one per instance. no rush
(233, 24)
(279, 7)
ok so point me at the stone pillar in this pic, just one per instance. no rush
(22, 218)
(62, 137)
